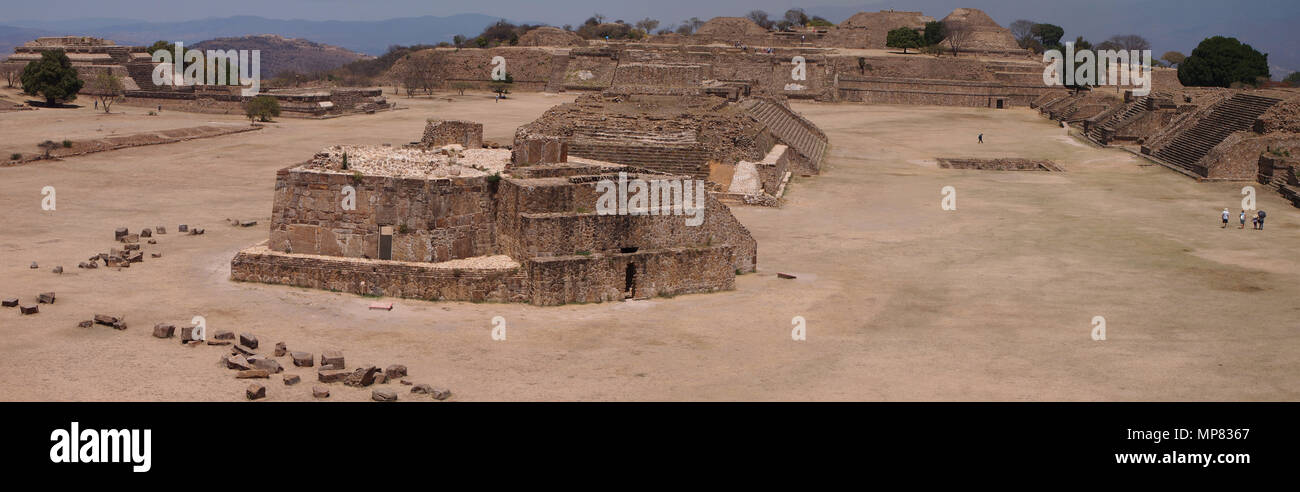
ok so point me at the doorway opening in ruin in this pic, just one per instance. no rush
(1000, 103)
(386, 243)
(629, 288)
(627, 250)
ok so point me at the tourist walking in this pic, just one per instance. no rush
(1243, 220)
(1226, 214)
(1259, 220)
(981, 137)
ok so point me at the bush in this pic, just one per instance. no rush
(67, 144)
(15, 156)
(262, 108)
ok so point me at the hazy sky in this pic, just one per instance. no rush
(1271, 25)
(558, 12)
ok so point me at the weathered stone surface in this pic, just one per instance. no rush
(106, 320)
(162, 330)
(332, 359)
(406, 382)
(320, 392)
(35, 266)
(224, 335)
(255, 392)
(422, 389)
(441, 394)
(280, 349)
(45, 298)
(183, 228)
(86, 324)
(160, 230)
(119, 325)
(130, 238)
(146, 232)
(331, 375)
(32, 309)
(219, 342)
(236, 362)
(135, 257)
(270, 365)
(58, 269)
(302, 359)
(395, 371)
(187, 333)
(381, 394)
(248, 340)
(253, 374)
(156, 254)
(363, 376)
(292, 379)
(9, 302)
(247, 223)
(244, 350)
(132, 247)
(120, 233)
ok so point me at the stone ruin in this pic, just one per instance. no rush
(462, 225)
(90, 56)
(1002, 164)
(551, 36)
(746, 150)
(134, 67)
(1202, 132)
(441, 133)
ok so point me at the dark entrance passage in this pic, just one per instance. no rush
(629, 288)
(386, 243)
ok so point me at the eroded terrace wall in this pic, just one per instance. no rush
(433, 220)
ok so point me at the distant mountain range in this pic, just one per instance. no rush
(368, 37)
(278, 54)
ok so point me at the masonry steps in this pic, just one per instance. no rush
(1103, 132)
(1231, 115)
(788, 127)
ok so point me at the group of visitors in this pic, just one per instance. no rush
(1257, 220)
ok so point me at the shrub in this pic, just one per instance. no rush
(262, 108)
(15, 156)
(67, 144)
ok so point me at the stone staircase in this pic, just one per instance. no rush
(1103, 132)
(559, 69)
(1234, 114)
(678, 160)
(142, 74)
(789, 127)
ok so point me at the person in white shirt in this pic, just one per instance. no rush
(1243, 219)
(1226, 214)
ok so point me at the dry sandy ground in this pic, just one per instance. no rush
(903, 301)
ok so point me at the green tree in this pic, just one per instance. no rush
(934, 33)
(51, 77)
(1220, 61)
(903, 37)
(1048, 34)
(1293, 79)
(261, 108)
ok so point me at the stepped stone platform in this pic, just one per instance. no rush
(1188, 149)
(416, 223)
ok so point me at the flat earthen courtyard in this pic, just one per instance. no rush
(902, 300)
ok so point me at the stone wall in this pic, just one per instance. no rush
(433, 220)
(604, 277)
(379, 277)
(438, 133)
